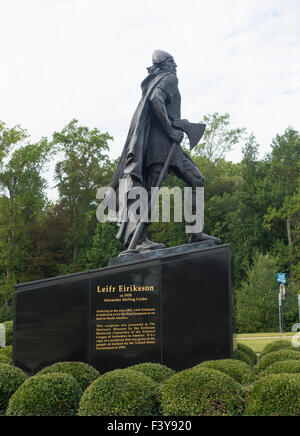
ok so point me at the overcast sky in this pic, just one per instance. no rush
(85, 59)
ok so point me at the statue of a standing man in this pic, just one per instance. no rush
(150, 137)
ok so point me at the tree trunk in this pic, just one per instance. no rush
(6, 303)
(290, 241)
(75, 253)
(74, 225)
(289, 233)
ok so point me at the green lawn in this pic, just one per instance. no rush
(257, 341)
(250, 335)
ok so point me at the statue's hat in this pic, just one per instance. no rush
(160, 56)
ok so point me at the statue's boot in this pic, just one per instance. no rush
(202, 237)
(146, 245)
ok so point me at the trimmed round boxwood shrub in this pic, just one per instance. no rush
(5, 359)
(158, 373)
(7, 351)
(283, 367)
(6, 354)
(122, 392)
(83, 373)
(277, 356)
(8, 332)
(46, 395)
(240, 355)
(247, 350)
(11, 379)
(274, 395)
(277, 346)
(201, 392)
(239, 371)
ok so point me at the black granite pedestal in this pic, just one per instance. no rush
(171, 307)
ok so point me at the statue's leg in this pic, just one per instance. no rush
(194, 179)
(151, 177)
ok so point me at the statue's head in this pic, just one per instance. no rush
(162, 61)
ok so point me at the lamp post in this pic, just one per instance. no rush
(281, 280)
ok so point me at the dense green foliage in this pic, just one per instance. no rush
(158, 373)
(247, 350)
(201, 392)
(277, 356)
(46, 395)
(274, 395)
(8, 332)
(239, 371)
(254, 205)
(213, 388)
(83, 373)
(5, 359)
(243, 357)
(276, 346)
(282, 367)
(6, 354)
(11, 379)
(121, 392)
(255, 308)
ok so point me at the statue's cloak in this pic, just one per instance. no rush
(131, 163)
(132, 158)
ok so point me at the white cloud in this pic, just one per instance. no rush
(85, 59)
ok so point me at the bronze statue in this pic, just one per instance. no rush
(153, 147)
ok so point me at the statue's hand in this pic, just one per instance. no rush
(176, 135)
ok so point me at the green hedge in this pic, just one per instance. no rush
(158, 373)
(247, 350)
(277, 356)
(201, 392)
(283, 367)
(243, 357)
(46, 395)
(8, 332)
(274, 395)
(277, 346)
(5, 359)
(11, 379)
(6, 354)
(239, 371)
(122, 392)
(83, 373)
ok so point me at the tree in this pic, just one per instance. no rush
(257, 299)
(49, 253)
(235, 207)
(21, 203)
(9, 138)
(282, 215)
(209, 155)
(84, 168)
(218, 138)
(104, 245)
